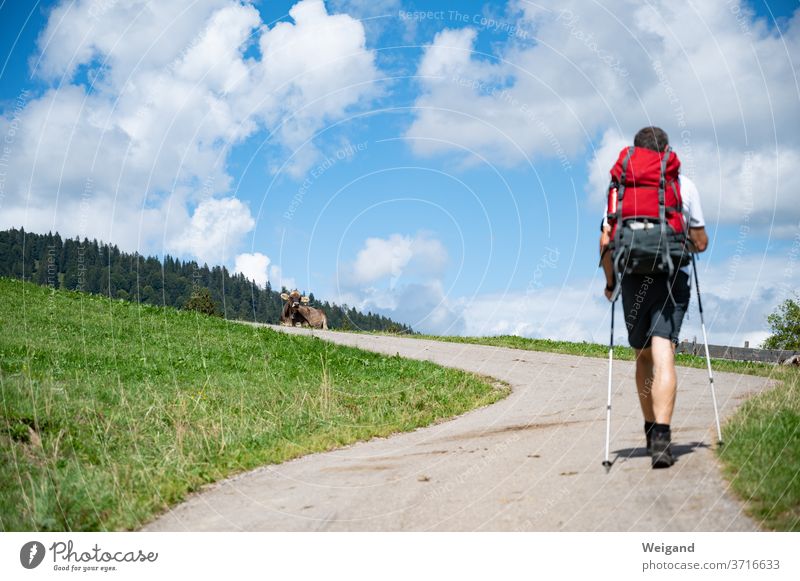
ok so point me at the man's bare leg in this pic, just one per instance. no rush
(644, 382)
(665, 382)
(656, 384)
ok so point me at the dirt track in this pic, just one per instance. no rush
(529, 462)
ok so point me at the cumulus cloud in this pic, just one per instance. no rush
(400, 276)
(254, 267)
(216, 228)
(259, 268)
(600, 165)
(740, 292)
(146, 102)
(313, 70)
(710, 73)
(755, 186)
(398, 254)
(424, 306)
(573, 313)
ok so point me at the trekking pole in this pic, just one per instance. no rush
(606, 462)
(708, 357)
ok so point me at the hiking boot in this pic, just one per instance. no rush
(660, 450)
(648, 431)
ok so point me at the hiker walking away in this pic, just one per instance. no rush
(652, 224)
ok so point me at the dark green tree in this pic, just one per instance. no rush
(201, 301)
(785, 326)
(91, 266)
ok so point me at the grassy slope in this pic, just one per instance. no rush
(761, 455)
(113, 411)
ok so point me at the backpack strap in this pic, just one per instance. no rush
(621, 192)
(618, 218)
(662, 218)
(662, 186)
(662, 210)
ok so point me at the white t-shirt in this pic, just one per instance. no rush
(692, 210)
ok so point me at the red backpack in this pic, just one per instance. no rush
(648, 231)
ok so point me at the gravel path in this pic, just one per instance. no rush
(529, 462)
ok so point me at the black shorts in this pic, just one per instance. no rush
(649, 310)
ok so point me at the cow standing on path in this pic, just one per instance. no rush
(296, 313)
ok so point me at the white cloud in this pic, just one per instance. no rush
(600, 165)
(740, 292)
(253, 266)
(400, 276)
(396, 255)
(123, 37)
(709, 73)
(422, 305)
(758, 187)
(216, 229)
(147, 100)
(574, 313)
(259, 268)
(312, 72)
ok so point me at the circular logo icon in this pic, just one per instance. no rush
(31, 554)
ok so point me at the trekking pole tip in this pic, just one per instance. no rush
(607, 466)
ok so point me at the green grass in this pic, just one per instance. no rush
(111, 411)
(761, 455)
(598, 350)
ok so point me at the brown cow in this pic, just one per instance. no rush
(296, 313)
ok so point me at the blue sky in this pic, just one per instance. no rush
(444, 167)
